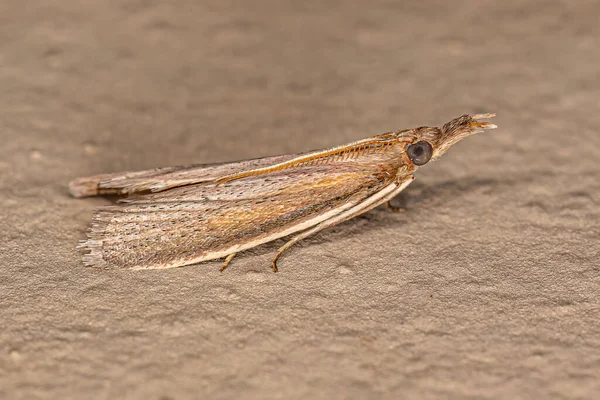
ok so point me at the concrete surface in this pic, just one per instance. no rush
(488, 287)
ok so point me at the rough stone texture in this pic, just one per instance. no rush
(488, 287)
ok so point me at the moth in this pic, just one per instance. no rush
(184, 215)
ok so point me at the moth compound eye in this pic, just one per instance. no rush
(419, 153)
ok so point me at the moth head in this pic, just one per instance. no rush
(430, 143)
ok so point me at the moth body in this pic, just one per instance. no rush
(178, 216)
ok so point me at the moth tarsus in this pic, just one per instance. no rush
(394, 208)
(227, 262)
(189, 214)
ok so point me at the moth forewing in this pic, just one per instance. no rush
(159, 179)
(371, 145)
(210, 220)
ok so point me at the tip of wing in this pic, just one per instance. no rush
(92, 256)
(84, 187)
(91, 248)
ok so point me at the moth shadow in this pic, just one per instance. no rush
(417, 200)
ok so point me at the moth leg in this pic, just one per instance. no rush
(344, 216)
(325, 224)
(227, 261)
(282, 249)
(393, 208)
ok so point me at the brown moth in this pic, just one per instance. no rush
(184, 215)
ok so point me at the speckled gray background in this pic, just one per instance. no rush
(488, 287)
